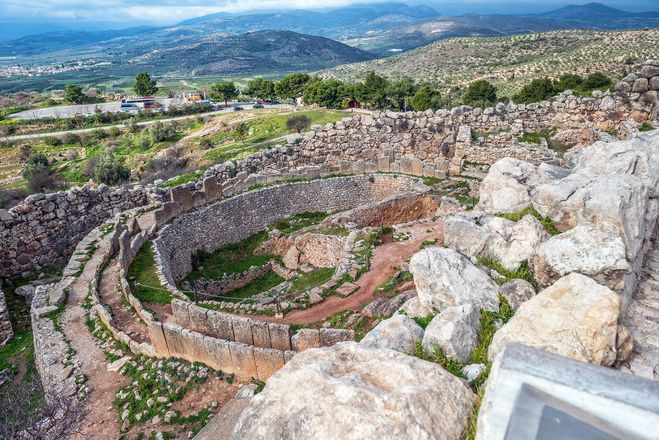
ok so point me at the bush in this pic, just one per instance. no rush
(597, 81)
(110, 170)
(538, 90)
(297, 122)
(37, 163)
(480, 92)
(161, 132)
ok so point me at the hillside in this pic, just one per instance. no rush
(599, 16)
(512, 61)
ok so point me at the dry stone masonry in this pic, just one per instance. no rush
(6, 331)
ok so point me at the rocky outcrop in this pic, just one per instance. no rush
(596, 250)
(350, 391)
(445, 278)
(414, 309)
(517, 292)
(481, 235)
(306, 251)
(575, 317)
(455, 331)
(6, 331)
(385, 306)
(398, 333)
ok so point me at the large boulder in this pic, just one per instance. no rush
(455, 331)
(445, 278)
(398, 333)
(414, 309)
(385, 306)
(482, 235)
(508, 184)
(596, 250)
(575, 317)
(350, 391)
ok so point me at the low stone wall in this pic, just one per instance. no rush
(6, 331)
(228, 283)
(44, 229)
(234, 219)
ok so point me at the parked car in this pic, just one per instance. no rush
(237, 108)
(257, 106)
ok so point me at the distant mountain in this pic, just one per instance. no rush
(599, 16)
(261, 52)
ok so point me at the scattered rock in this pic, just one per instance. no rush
(517, 292)
(445, 278)
(473, 371)
(414, 309)
(386, 306)
(372, 394)
(247, 391)
(347, 289)
(397, 333)
(455, 331)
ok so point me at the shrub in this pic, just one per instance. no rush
(161, 132)
(597, 81)
(480, 92)
(110, 170)
(538, 90)
(52, 141)
(37, 163)
(646, 126)
(297, 122)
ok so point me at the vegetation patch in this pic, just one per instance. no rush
(259, 285)
(547, 222)
(522, 272)
(645, 126)
(299, 221)
(310, 279)
(144, 281)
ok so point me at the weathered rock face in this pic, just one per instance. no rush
(306, 251)
(455, 331)
(445, 278)
(397, 333)
(575, 317)
(508, 185)
(414, 309)
(479, 234)
(354, 392)
(517, 292)
(596, 250)
(6, 331)
(385, 307)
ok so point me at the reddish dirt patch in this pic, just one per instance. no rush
(384, 265)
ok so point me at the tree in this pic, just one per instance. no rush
(426, 98)
(144, 85)
(568, 81)
(399, 93)
(374, 91)
(110, 170)
(261, 88)
(480, 92)
(298, 122)
(536, 91)
(292, 85)
(73, 94)
(329, 93)
(37, 163)
(224, 91)
(241, 131)
(597, 81)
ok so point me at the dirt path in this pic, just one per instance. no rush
(384, 263)
(124, 318)
(100, 420)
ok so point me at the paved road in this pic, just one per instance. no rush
(69, 111)
(24, 137)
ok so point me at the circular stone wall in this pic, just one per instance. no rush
(232, 220)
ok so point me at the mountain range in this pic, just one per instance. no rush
(278, 42)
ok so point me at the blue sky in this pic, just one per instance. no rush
(125, 13)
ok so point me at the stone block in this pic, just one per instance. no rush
(182, 197)
(428, 171)
(331, 336)
(406, 165)
(180, 312)
(288, 355)
(173, 339)
(525, 381)
(417, 167)
(371, 167)
(280, 336)
(198, 320)
(198, 199)
(384, 164)
(212, 188)
(242, 330)
(268, 362)
(305, 338)
(220, 354)
(261, 334)
(242, 358)
(221, 325)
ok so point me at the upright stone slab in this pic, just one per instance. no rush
(180, 312)
(280, 336)
(242, 357)
(242, 330)
(221, 325)
(221, 353)
(182, 197)
(384, 163)
(268, 362)
(261, 334)
(6, 331)
(198, 319)
(417, 167)
(305, 339)
(158, 340)
(532, 394)
(331, 336)
(212, 189)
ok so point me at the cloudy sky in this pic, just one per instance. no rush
(131, 12)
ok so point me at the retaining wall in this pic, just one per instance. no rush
(6, 331)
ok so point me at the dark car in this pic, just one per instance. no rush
(257, 106)
(237, 108)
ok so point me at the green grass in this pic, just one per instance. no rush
(335, 230)
(144, 281)
(259, 285)
(523, 272)
(311, 279)
(181, 179)
(299, 221)
(232, 258)
(489, 325)
(645, 126)
(425, 243)
(423, 321)
(452, 366)
(548, 223)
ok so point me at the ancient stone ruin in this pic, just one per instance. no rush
(391, 275)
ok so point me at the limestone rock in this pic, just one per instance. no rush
(596, 250)
(517, 292)
(397, 333)
(473, 371)
(385, 306)
(455, 331)
(445, 278)
(575, 317)
(350, 391)
(414, 309)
